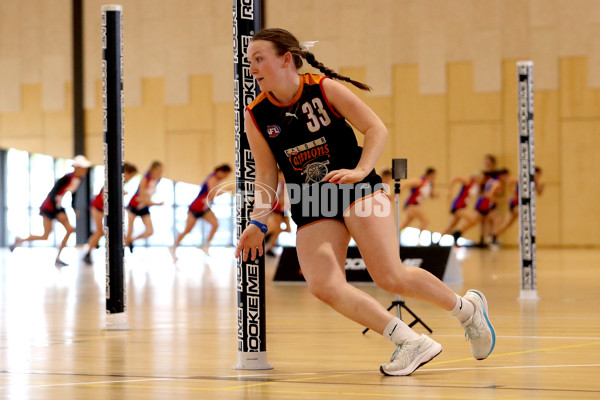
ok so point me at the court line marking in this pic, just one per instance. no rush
(570, 346)
(338, 393)
(265, 389)
(514, 367)
(433, 363)
(121, 334)
(316, 375)
(337, 374)
(420, 370)
(329, 375)
(535, 337)
(94, 383)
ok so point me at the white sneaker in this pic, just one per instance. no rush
(411, 355)
(478, 329)
(172, 251)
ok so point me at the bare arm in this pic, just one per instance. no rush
(463, 180)
(266, 172)
(366, 121)
(265, 188)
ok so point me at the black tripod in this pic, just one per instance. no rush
(398, 173)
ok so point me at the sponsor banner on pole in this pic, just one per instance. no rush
(112, 103)
(250, 278)
(526, 180)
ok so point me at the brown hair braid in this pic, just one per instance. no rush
(284, 42)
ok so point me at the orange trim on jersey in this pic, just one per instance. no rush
(257, 100)
(314, 222)
(253, 120)
(326, 99)
(294, 99)
(365, 197)
(305, 79)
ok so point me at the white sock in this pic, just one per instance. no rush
(398, 332)
(463, 310)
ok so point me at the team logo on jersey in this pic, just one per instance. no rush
(316, 171)
(273, 131)
(310, 158)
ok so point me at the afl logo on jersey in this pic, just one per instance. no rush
(273, 131)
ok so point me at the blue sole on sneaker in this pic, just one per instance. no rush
(487, 320)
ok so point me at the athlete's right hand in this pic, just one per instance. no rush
(251, 242)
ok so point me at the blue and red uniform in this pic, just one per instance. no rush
(514, 201)
(98, 202)
(460, 201)
(419, 193)
(135, 206)
(485, 204)
(51, 206)
(200, 205)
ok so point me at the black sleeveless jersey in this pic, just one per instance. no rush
(307, 137)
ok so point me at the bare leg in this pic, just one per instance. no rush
(473, 219)
(211, 218)
(376, 238)
(409, 215)
(507, 222)
(420, 215)
(147, 220)
(47, 229)
(95, 237)
(454, 218)
(62, 218)
(189, 225)
(322, 254)
(130, 220)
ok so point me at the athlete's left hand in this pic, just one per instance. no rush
(345, 176)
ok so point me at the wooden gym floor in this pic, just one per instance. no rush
(182, 344)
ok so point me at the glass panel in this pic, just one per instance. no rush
(17, 221)
(162, 221)
(62, 167)
(37, 228)
(42, 179)
(17, 179)
(164, 193)
(97, 175)
(222, 206)
(185, 193)
(224, 235)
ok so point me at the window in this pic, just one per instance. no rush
(30, 177)
(17, 189)
(185, 194)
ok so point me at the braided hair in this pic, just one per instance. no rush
(284, 42)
